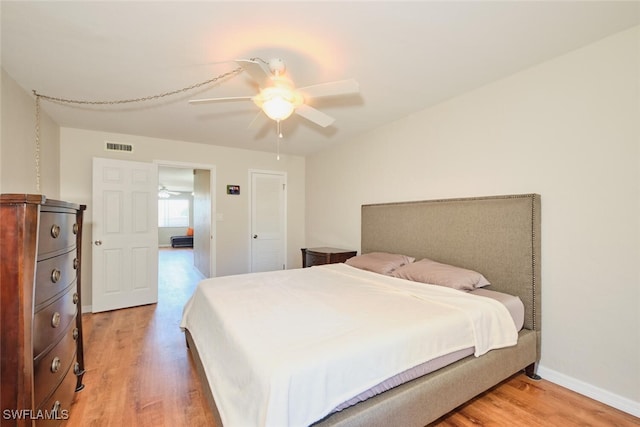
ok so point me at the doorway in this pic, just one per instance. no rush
(202, 199)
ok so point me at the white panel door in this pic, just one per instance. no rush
(268, 219)
(124, 234)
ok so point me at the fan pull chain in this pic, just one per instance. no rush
(279, 136)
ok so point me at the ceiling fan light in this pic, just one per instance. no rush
(163, 194)
(277, 108)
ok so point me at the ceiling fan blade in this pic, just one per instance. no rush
(341, 87)
(230, 98)
(315, 116)
(257, 70)
(260, 116)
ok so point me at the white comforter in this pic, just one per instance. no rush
(284, 348)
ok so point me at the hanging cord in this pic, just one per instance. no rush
(39, 96)
(37, 147)
(142, 99)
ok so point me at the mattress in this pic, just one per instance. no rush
(358, 330)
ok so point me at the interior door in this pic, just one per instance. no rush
(268, 230)
(124, 234)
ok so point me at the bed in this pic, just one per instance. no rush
(498, 236)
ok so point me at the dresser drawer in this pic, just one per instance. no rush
(53, 321)
(59, 403)
(54, 275)
(57, 233)
(50, 368)
(317, 259)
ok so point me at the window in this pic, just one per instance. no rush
(173, 213)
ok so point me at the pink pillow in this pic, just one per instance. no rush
(379, 262)
(435, 273)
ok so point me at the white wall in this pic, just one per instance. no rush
(567, 129)
(78, 147)
(17, 144)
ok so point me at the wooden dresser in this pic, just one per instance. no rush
(319, 256)
(41, 352)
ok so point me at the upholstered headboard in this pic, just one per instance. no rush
(498, 236)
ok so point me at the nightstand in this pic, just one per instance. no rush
(319, 256)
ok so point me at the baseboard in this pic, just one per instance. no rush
(622, 403)
(86, 309)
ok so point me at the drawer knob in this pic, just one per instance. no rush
(75, 298)
(55, 319)
(55, 365)
(76, 334)
(76, 263)
(55, 231)
(75, 228)
(55, 275)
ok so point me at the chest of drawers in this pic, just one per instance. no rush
(41, 352)
(320, 256)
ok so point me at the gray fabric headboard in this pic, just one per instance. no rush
(499, 236)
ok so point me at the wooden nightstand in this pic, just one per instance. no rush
(319, 256)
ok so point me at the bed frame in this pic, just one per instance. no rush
(498, 236)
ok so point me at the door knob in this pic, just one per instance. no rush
(98, 242)
(255, 236)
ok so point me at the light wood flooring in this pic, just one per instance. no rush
(139, 373)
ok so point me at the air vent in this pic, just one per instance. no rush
(116, 146)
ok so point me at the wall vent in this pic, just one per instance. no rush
(116, 146)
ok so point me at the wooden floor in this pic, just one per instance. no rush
(139, 373)
(138, 369)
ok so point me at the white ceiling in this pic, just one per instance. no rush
(407, 56)
(175, 178)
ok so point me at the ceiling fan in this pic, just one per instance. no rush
(163, 193)
(279, 98)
